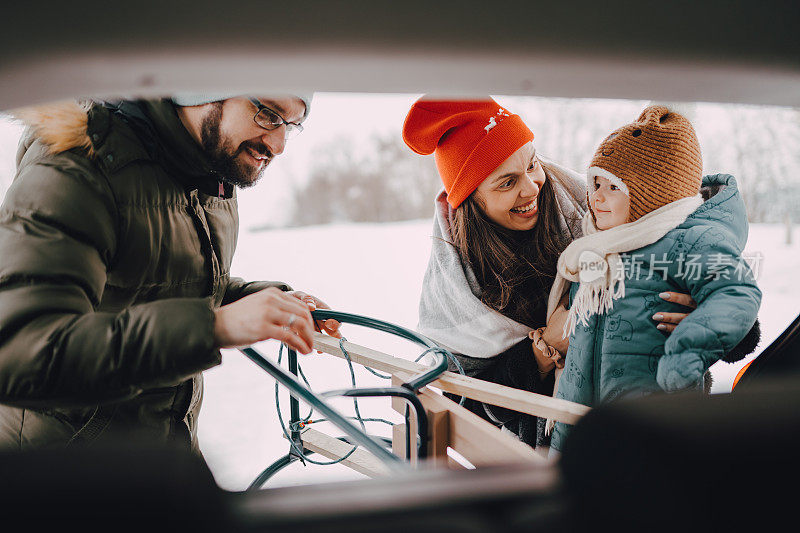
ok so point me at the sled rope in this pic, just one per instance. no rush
(307, 420)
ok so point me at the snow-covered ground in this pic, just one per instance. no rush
(376, 270)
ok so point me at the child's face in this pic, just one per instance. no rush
(610, 204)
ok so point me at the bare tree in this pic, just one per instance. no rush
(758, 145)
(391, 184)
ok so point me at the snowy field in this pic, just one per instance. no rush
(376, 270)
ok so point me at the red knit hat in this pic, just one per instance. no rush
(470, 139)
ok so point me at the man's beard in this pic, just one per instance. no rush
(224, 157)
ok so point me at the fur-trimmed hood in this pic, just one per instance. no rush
(115, 134)
(61, 126)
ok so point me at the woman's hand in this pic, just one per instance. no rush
(669, 321)
(546, 356)
(552, 334)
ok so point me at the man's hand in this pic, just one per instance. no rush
(267, 314)
(330, 326)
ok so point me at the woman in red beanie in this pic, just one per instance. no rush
(504, 217)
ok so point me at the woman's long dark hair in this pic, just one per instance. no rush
(515, 269)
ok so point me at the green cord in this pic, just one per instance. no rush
(305, 421)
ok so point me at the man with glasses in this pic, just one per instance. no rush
(254, 132)
(116, 241)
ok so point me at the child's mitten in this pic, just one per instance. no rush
(680, 371)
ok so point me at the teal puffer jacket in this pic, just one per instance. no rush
(621, 354)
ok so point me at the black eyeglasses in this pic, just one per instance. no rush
(269, 120)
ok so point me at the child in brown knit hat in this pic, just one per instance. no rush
(654, 161)
(648, 231)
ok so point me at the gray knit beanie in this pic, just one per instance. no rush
(192, 99)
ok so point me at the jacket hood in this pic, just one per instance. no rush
(92, 127)
(725, 210)
(61, 126)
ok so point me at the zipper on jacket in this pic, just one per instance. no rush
(596, 355)
(206, 246)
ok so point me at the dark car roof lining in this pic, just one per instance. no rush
(682, 50)
(729, 51)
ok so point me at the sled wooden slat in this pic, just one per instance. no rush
(399, 440)
(438, 429)
(360, 460)
(484, 391)
(481, 443)
(439, 432)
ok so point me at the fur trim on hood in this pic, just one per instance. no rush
(61, 126)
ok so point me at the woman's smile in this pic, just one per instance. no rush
(526, 210)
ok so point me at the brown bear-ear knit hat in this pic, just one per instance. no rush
(655, 161)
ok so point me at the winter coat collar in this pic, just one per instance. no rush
(157, 125)
(155, 132)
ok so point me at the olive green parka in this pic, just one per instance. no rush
(116, 241)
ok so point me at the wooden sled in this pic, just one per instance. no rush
(445, 434)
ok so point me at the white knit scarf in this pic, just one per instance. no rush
(594, 262)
